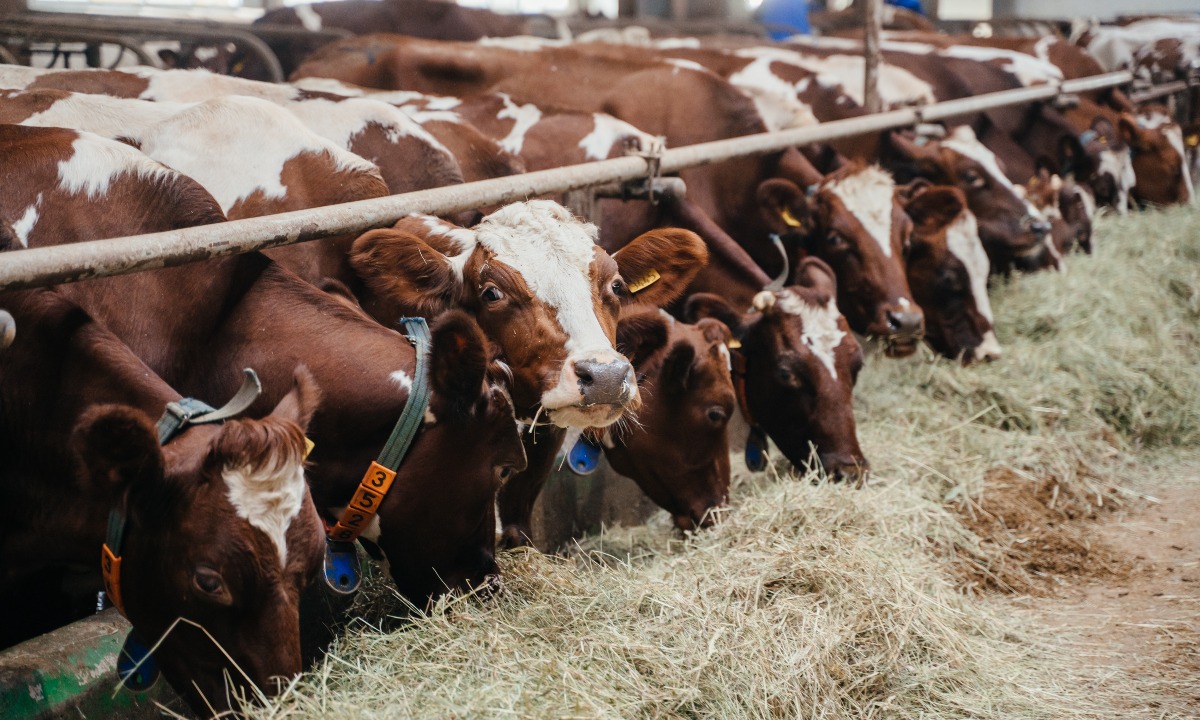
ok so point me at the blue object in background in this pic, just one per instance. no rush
(785, 18)
(914, 5)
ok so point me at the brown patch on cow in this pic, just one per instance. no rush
(1035, 533)
(407, 163)
(311, 180)
(16, 106)
(479, 156)
(94, 82)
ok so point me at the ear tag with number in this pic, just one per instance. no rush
(734, 344)
(756, 450)
(645, 281)
(584, 456)
(136, 666)
(789, 219)
(343, 567)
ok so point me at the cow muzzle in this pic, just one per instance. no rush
(592, 392)
(605, 383)
(842, 467)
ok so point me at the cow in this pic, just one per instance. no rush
(947, 269)
(548, 296)
(795, 369)
(190, 324)
(1160, 158)
(220, 531)
(678, 451)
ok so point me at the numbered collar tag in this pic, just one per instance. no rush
(136, 666)
(584, 456)
(343, 567)
(756, 450)
(363, 506)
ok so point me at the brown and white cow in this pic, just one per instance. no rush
(220, 537)
(191, 324)
(678, 451)
(1160, 158)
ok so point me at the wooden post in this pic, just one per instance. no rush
(872, 21)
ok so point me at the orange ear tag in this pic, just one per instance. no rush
(110, 568)
(646, 281)
(789, 219)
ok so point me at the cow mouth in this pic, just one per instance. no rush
(900, 347)
(581, 416)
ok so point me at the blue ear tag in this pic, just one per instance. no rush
(343, 567)
(756, 450)
(136, 666)
(584, 457)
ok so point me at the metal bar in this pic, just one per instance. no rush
(41, 34)
(872, 24)
(1156, 92)
(100, 258)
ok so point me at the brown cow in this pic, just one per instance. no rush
(220, 529)
(190, 324)
(801, 363)
(678, 451)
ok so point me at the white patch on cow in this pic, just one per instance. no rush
(402, 380)
(18, 77)
(867, 194)
(329, 85)
(201, 85)
(820, 322)
(268, 497)
(553, 252)
(308, 17)
(989, 348)
(775, 98)
(1119, 165)
(24, 225)
(681, 64)
(962, 239)
(341, 121)
(524, 117)
(521, 43)
(259, 136)
(110, 117)
(676, 42)
(897, 86)
(204, 54)
(430, 418)
(96, 161)
(1088, 199)
(463, 239)
(1028, 69)
(1174, 135)
(962, 140)
(728, 358)
(606, 132)
(1041, 49)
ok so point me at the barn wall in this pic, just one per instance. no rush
(1103, 9)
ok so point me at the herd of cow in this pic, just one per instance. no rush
(646, 332)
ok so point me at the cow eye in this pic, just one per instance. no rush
(717, 415)
(786, 377)
(209, 582)
(618, 287)
(974, 179)
(834, 239)
(491, 294)
(504, 473)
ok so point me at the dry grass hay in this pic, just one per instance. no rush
(820, 601)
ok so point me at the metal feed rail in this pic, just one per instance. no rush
(116, 256)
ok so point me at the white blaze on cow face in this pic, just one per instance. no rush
(962, 140)
(269, 497)
(524, 117)
(553, 253)
(96, 161)
(821, 332)
(962, 239)
(868, 195)
(1118, 164)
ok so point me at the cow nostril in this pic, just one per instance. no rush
(584, 374)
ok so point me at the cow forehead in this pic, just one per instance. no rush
(962, 239)
(868, 195)
(964, 142)
(819, 322)
(268, 497)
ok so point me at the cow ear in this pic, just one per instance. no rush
(784, 206)
(677, 368)
(458, 364)
(1072, 158)
(707, 305)
(660, 264)
(117, 447)
(641, 334)
(814, 273)
(935, 208)
(1105, 131)
(912, 189)
(1128, 131)
(714, 331)
(302, 401)
(401, 268)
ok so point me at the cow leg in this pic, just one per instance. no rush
(515, 500)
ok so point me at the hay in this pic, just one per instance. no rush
(815, 600)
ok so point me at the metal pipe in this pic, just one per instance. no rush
(1156, 92)
(41, 34)
(100, 258)
(872, 24)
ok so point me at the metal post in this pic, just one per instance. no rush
(872, 24)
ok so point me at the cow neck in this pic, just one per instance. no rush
(373, 488)
(176, 418)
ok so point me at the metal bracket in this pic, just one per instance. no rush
(582, 202)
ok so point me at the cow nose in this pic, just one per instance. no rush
(841, 467)
(1040, 228)
(905, 323)
(607, 383)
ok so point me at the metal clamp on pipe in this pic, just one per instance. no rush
(655, 189)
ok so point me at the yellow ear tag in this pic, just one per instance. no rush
(646, 281)
(789, 219)
(1193, 140)
(734, 344)
(308, 447)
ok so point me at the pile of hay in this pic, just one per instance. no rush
(820, 601)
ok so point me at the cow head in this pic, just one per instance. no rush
(1102, 160)
(1159, 158)
(1068, 205)
(221, 536)
(437, 530)
(678, 452)
(1012, 232)
(948, 272)
(801, 366)
(850, 220)
(542, 291)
